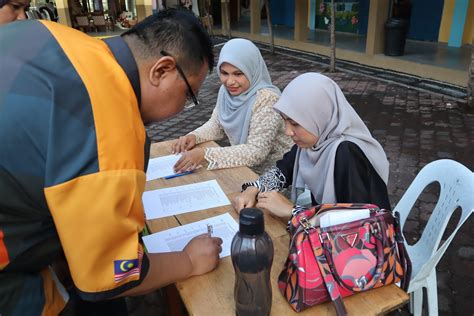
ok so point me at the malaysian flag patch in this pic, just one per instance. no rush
(125, 268)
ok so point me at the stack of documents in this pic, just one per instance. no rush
(184, 198)
(175, 239)
(337, 217)
(161, 167)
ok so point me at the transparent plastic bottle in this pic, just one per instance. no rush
(252, 257)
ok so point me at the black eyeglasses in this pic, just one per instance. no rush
(193, 100)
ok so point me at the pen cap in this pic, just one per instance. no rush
(251, 221)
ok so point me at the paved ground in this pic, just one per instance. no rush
(415, 127)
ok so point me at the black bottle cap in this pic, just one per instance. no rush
(251, 221)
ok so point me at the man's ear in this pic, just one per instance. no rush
(160, 69)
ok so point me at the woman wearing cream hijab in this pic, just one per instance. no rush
(243, 113)
(334, 155)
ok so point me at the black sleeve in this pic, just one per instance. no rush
(355, 179)
(287, 164)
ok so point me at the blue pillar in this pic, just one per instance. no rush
(312, 14)
(459, 20)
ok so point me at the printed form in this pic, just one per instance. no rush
(175, 239)
(182, 199)
(161, 167)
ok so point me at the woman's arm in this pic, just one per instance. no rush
(276, 178)
(211, 130)
(264, 127)
(287, 165)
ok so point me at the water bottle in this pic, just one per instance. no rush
(252, 257)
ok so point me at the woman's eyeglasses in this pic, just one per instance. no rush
(192, 100)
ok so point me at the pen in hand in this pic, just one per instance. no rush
(209, 230)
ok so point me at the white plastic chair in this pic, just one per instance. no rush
(456, 190)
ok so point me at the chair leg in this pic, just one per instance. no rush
(418, 302)
(432, 293)
(412, 303)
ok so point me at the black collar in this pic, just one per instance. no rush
(124, 56)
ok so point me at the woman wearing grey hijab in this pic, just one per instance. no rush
(334, 155)
(243, 113)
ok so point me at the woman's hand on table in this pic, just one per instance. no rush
(248, 198)
(183, 143)
(275, 202)
(190, 160)
(203, 252)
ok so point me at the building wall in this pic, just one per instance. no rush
(468, 35)
(283, 12)
(447, 19)
(351, 15)
(425, 20)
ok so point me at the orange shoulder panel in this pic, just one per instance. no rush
(119, 128)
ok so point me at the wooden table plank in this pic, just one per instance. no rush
(273, 226)
(213, 293)
(161, 224)
(230, 179)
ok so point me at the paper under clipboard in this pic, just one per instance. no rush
(175, 239)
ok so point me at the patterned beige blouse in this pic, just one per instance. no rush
(266, 142)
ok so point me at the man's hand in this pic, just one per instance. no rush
(248, 198)
(200, 256)
(183, 143)
(190, 160)
(275, 202)
(203, 252)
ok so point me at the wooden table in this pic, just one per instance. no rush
(213, 293)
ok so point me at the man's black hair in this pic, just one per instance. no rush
(177, 32)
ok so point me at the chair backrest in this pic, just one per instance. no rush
(99, 20)
(36, 14)
(29, 15)
(82, 20)
(46, 12)
(456, 191)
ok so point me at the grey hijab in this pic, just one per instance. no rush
(235, 112)
(317, 103)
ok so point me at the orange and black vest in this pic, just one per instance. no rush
(73, 152)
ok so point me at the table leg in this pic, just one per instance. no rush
(173, 301)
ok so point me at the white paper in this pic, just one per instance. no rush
(161, 167)
(175, 239)
(182, 199)
(342, 217)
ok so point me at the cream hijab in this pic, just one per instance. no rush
(317, 103)
(235, 112)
